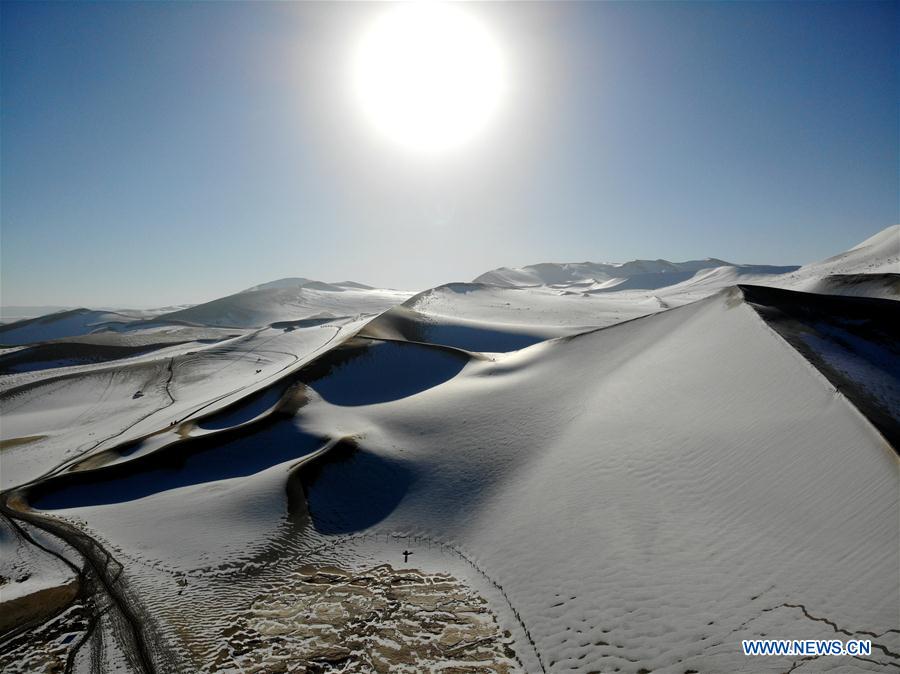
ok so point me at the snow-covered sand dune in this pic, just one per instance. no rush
(540, 311)
(70, 412)
(640, 509)
(879, 254)
(634, 275)
(287, 301)
(105, 346)
(869, 269)
(291, 299)
(550, 273)
(61, 324)
(635, 506)
(629, 480)
(463, 333)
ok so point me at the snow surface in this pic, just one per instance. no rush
(637, 508)
(689, 281)
(27, 569)
(293, 299)
(634, 479)
(622, 489)
(55, 326)
(84, 409)
(549, 273)
(266, 305)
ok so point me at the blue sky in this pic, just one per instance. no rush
(157, 153)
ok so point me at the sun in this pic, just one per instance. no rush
(428, 76)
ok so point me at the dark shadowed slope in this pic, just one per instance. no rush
(853, 341)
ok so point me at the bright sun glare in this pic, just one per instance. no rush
(429, 76)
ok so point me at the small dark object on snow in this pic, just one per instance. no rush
(406, 554)
(137, 395)
(258, 371)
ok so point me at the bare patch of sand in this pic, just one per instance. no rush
(327, 619)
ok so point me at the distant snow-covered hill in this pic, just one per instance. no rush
(61, 324)
(300, 282)
(553, 273)
(289, 300)
(870, 268)
(877, 255)
(602, 277)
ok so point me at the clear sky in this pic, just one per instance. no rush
(157, 153)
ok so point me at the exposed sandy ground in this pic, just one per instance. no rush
(328, 619)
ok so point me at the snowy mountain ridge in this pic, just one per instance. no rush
(879, 254)
(553, 273)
